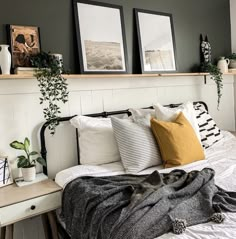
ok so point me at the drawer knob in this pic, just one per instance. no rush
(32, 207)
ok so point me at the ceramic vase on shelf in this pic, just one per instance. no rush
(5, 59)
(58, 57)
(223, 64)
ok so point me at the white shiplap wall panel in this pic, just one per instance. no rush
(178, 94)
(91, 102)
(74, 103)
(133, 98)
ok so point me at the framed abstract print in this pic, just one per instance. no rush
(24, 41)
(156, 41)
(100, 37)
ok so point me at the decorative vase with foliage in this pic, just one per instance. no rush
(52, 84)
(28, 161)
(232, 59)
(207, 66)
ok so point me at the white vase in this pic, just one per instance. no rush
(223, 65)
(28, 174)
(5, 59)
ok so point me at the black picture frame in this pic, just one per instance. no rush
(100, 37)
(5, 172)
(156, 39)
(24, 42)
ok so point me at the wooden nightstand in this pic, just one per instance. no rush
(18, 203)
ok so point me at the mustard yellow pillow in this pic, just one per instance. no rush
(178, 142)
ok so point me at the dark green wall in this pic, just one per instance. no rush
(191, 17)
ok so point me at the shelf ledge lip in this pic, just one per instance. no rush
(73, 76)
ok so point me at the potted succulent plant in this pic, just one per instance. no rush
(232, 59)
(28, 161)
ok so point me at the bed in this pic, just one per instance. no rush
(221, 157)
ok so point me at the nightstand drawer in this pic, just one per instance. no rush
(29, 208)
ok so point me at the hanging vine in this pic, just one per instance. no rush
(217, 77)
(53, 86)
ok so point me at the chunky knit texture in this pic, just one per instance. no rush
(137, 207)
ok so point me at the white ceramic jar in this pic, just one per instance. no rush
(223, 64)
(5, 59)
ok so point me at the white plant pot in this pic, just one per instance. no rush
(232, 64)
(28, 174)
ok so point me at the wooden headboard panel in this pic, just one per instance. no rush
(102, 114)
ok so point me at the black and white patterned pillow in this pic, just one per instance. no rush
(209, 131)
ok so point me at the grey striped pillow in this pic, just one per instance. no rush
(137, 145)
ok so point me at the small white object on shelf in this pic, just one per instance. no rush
(24, 70)
(39, 177)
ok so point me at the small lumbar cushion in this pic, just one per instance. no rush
(177, 141)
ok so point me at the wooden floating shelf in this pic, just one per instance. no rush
(74, 76)
(133, 75)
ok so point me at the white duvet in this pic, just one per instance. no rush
(221, 157)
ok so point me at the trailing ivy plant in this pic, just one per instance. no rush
(216, 76)
(232, 56)
(53, 86)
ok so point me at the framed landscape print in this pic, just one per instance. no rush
(5, 172)
(101, 37)
(156, 41)
(24, 41)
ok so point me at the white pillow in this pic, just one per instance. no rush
(142, 116)
(137, 145)
(97, 143)
(137, 113)
(169, 114)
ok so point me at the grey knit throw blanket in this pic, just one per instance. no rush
(143, 207)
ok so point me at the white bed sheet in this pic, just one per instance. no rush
(221, 157)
